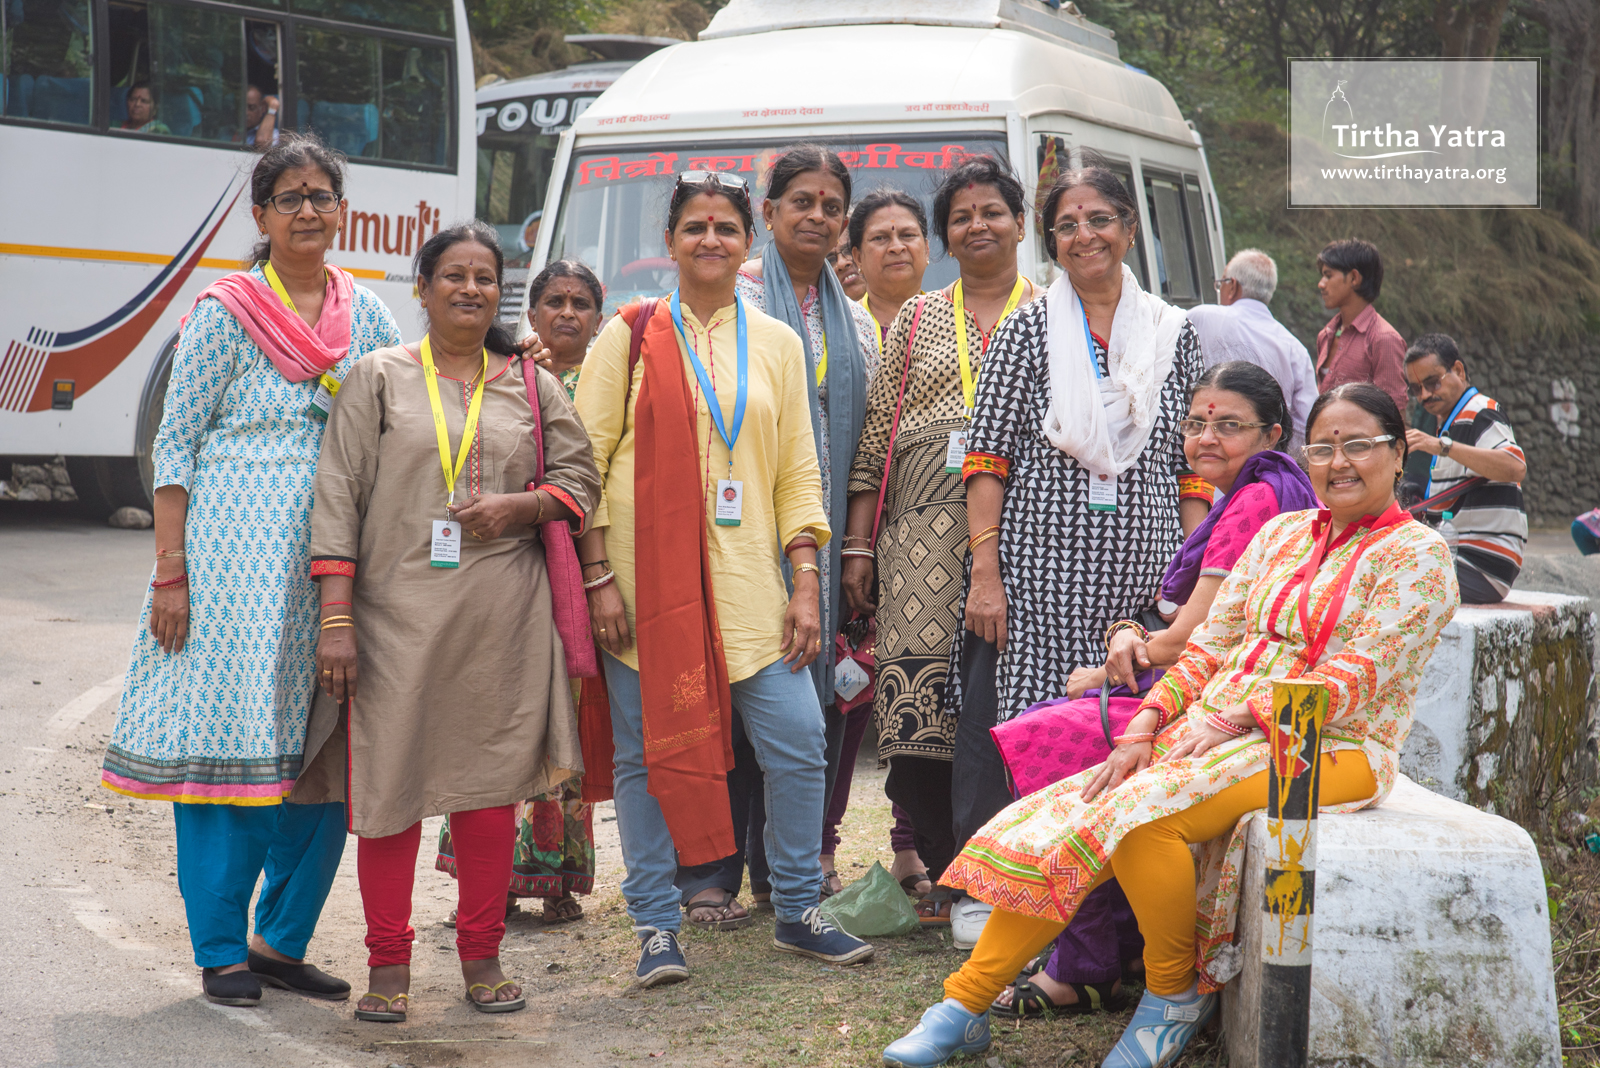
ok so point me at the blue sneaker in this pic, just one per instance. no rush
(1159, 1030)
(660, 959)
(947, 1030)
(818, 939)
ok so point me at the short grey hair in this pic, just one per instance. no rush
(1256, 274)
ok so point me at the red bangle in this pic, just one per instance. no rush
(1225, 725)
(1124, 739)
(179, 581)
(330, 604)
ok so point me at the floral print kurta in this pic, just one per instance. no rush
(1039, 856)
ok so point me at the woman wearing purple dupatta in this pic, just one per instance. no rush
(1237, 420)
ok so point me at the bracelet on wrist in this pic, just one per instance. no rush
(1226, 725)
(867, 553)
(165, 583)
(603, 580)
(331, 604)
(336, 626)
(1129, 739)
(169, 554)
(800, 569)
(1126, 624)
(858, 537)
(992, 532)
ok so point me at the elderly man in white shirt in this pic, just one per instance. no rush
(1241, 327)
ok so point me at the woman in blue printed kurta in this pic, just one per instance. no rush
(214, 708)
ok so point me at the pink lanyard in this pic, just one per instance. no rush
(1330, 617)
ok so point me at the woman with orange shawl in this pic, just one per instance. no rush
(702, 434)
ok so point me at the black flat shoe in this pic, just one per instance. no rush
(305, 979)
(231, 988)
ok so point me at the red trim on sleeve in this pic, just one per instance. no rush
(333, 565)
(565, 498)
(985, 463)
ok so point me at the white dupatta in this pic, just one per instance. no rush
(1104, 423)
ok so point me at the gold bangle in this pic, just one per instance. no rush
(333, 626)
(326, 619)
(800, 568)
(992, 532)
(538, 496)
(984, 531)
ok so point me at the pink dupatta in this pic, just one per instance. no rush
(299, 352)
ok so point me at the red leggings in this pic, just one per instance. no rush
(386, 868)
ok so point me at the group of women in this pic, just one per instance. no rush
(1054, 524)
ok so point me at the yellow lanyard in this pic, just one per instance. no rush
(868, 308)
(822, 367)
(277, 286)
(439, 427)
(969, 382)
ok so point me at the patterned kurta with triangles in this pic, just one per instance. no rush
(1039, 856)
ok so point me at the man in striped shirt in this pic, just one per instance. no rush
(1475, 442)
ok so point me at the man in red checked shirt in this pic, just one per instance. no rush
(1358, 344)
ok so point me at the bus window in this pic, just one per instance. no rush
(1194, 205)
(1174, 257)
(418, 16)
(513, 175)
(373, 97)
(46, 60)
(1053, 156)
(176, 70)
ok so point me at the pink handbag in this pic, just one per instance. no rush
(568, 604)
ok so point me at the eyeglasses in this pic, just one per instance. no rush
(1429, 385)
(1355, 450)
(1217, 285)
(1096, 223)
(289, 203)
(696, 181)
(1223, 428)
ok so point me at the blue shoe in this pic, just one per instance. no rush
(947, 1030)
(818, 939)
(1159, 1030)
(660, 959)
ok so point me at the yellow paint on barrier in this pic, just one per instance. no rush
(1305, 707)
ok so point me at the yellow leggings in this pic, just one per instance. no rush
(1156, 870)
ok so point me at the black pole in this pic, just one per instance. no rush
(1294, 774)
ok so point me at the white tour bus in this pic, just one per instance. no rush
(520, 123)
(902, 89)
(108, 233)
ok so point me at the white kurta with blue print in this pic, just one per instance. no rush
(224, 719)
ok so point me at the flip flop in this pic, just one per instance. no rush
(512, 908)
(939, 899)
(496, 1006)
(552, 917)
(390, 1016)
(731, 923)
(910, 883)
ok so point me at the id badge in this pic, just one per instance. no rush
(446, 543)
(849, 678)
(322, 400)
(1102, 493)
(956, 453)
(730, 502)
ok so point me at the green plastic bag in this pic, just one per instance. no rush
(872, 906)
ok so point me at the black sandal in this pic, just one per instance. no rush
(730, 923)
(828, 891)
(910, 883)
(1029, 1001)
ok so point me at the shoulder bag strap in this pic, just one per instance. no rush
(894, 427)
(530, 375)
(641, 320)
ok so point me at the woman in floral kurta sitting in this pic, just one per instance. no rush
(1193, 762)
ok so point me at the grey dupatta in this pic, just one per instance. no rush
(847, 411)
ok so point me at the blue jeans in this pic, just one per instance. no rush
(224, 849)
(784, 724)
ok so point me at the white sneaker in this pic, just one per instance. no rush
(967, 918)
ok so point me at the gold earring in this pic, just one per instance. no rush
(769, 227)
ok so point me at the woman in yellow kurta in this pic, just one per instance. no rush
(697, 410)
(1193, 763)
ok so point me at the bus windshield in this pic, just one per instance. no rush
(615, 202)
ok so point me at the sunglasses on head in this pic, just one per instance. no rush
(692, 182)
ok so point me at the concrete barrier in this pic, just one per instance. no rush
(1508, 713)
(1431, 945)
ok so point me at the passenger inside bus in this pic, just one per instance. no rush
(48, 65)
(141, 106)
(260, 118)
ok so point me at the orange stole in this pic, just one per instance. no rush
(683, 674)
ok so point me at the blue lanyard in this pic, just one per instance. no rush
(1472, 391)
(1088, 339)
(705, 380)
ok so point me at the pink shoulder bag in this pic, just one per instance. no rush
(568, 604)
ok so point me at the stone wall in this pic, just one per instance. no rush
(1551, 395)
(1508, 710)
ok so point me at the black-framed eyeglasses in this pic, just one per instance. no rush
(1355, 450)
(1429, 385)
(696, 182)
(289, 203)
(1096, 223)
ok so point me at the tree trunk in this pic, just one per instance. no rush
(1468, 29)
(1572, 110)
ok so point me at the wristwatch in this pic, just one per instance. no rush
(1444, 445)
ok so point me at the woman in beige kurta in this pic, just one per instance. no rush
(454, 674)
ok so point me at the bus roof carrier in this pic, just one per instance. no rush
(1060, 24)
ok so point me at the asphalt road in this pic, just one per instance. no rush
(95, 965)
